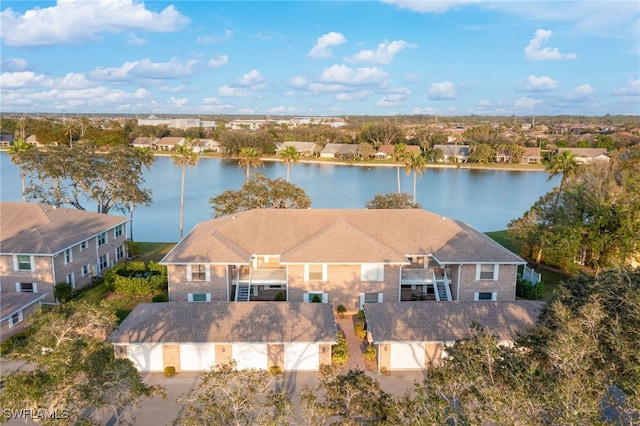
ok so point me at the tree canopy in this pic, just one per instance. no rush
(392, 200)
(260, 192)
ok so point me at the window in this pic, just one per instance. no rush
(370, 298)
(71, 279)
(487, 271)
(315, 272)
(198, 273)
(372, 272)
(315, 297)
(68, 256)
(84, 245)
(102, 239)
(27, 287)
(485, 295)
(117, 232)
(86, 269)
(103, 262)
(23, 262)
(119, 252)
(199, 297)
(15, 319)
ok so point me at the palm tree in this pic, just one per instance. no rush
(398, 156)
(249, 157)
(184, 157)
(416, 163)
(18, 147)
(289, 155)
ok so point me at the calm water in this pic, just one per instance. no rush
(486, 199)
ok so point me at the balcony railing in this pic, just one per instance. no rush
(263, 275)
(416, 276)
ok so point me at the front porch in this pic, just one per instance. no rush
(426, 284)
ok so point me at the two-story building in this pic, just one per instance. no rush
(339, 256)
(42, 245)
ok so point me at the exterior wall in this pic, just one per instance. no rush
(224, 354)
(504, 286)
(171, 356)
(454, 280)
(6, 331)
(325, 354)
(180, 286)
(343, 285)
(384, 356)
(433, 354)
(275, 355)
(42, 275)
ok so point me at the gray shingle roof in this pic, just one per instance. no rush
(33, 228)
(447, 321)
(13, 302)
(336, 236)
(228, 322)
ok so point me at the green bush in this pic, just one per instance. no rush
(160, 298)
(370, 353)
(122, 278)
(133, 249)
(340, 351)
(341, 310)
(360, 331)
(63, 292)
(361, 314)
(14, 342)
(169, 371)
(279, 296)
(275, 370)
(526, 290)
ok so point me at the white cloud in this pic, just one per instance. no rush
(443, 91)
(73, 81)
(526, 103)
(579, 94)
(23, 79)
(429, 6)
(218, 61)
(134, 40)
(633, 89)
(535, 51)
(298, 82)
(342, 74)
(234, 92)
(178, 102)
(252, 78)
(78, 21)
(281, 110)
(228, 35)
(384, 54)
(426, 110)
(541, 84)
(354, 96)
(394, 97)
(14, 64)
(145, 68)
(322, 48)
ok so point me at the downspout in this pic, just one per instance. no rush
(458, 291)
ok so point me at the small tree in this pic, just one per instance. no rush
(63, 291)
(392, 200)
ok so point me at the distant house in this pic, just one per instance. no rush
(587, 155)
(328, 121)
(177, 123)
(144, 142)
(305, 149)
(206, 144)
(459, 152)
(344, 151)
(414, 336)
(245, 124)
(32, 140)
(386, 151)
(6, 139)
(531, 155)
(199, 336)
(169, 143)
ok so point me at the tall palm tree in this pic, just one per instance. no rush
(289, 155)
(249, 157)
(18, 147)
(184, 157)
(416, 163)
(398, 156)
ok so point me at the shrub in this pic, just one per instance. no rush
(341, 310)
(526, 290)
(279, 296)
(132, 248)
(361, 314)
(63, 291)
(275, 370)
(340, 351)
(160, 298)
(169, 371)
(370, 353)
(360, 332)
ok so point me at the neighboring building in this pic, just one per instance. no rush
(245, 124)
(169, 143)
(386, 151)
(531, 156)
(6, 139)
(343, 151)
(33, 141)
(327, 121)
(42, 245)
(413, 336)
(459, 152)
(206, 144)
(15, 308)
(145, 142)
(339, 256)
(305, 149)
(176, 123)
(587, 155)
(198, 336)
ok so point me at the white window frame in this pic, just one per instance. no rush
(106, 263)
(118, 231)
(190, 297)
(20, 290)
(307, 271)
(308, 296)
(13, 322)
(68, 256)
(102, 239)
(367, 270)
(16, 264)
(476, 296)
(362, 298)
(121, 251)
(86, 269)
(71, 279)
(190, 271)
(479, 271)
(84, 245)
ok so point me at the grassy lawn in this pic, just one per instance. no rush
(153, 251)
(552, 277)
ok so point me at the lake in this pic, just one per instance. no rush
(486, 199)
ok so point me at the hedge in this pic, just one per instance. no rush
(123, 280)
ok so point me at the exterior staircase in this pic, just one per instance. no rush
(441, 291)
(242, 293)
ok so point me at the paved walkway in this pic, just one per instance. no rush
(356, 345)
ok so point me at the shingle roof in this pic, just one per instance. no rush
(33, 228)
(228, 322)
(337, 235)
(341, 148)
(13, 302)
(447, 321)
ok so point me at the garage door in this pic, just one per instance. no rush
(407, 356)
(301, 356)
(197, 357)
(249, 355)
(146, 357)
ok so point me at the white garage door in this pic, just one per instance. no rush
(301, 356)
(146, 357)
(250, 355)
(197, 357)
(407, 356)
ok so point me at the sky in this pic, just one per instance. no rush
(330, 58)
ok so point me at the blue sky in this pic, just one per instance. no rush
(454, 57)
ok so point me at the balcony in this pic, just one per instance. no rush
(425, 284)
(269, 276)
